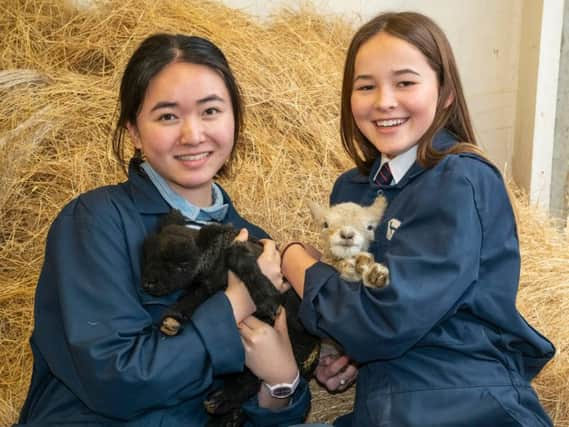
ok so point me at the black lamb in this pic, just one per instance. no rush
(197, 261)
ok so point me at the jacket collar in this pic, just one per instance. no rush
(442, 141)
(144, 194)
(148, 200)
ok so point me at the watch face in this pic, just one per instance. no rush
(281, 391)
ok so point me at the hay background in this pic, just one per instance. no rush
(59, 75)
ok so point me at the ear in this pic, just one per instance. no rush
(449, 100)
(134, 135)
(316, 210)
(378, 207)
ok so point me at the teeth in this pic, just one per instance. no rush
(193, 156)
(388, 123)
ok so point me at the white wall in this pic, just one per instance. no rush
(560, 176)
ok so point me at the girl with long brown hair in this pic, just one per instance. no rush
(442, 344)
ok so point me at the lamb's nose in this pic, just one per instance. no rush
(346, 234)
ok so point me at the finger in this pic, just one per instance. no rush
(348, 376)
(279, 283)
(243, 325)
(252, 323)
(351, 371)
(243, 235)
(322, 376)
(268, 244)
(325, 361)
(233, 278)
(332, 383)
(245, 331)
(338, 365)
(285, 286)
(280, 321)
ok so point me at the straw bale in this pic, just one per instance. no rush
(61, 70)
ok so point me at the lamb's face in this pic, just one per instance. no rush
(348, 228)
(170, 261)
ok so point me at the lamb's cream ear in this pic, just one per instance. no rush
(316, 210)
(378, 207)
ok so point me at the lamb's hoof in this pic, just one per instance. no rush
(377, 276)
(363, 261)
(210, 406)
(347, 268)
(170, 326)
(217, 403)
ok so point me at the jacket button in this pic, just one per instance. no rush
(379, 192)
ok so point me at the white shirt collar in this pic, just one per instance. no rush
(399, 165)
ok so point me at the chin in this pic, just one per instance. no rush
(343, 251)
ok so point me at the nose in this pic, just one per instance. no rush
(385, 99)
(191, 132)
(346, 234)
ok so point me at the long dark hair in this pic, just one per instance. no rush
(424, 34)
(151, 56)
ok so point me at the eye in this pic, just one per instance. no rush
(364, 88)
(166, 117)
(405, 83)
(370, 227)
(325, 224)
(211, 111)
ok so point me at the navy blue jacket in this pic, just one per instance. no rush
(443, 344)
(99, 358)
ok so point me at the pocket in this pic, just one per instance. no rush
(522, 404)
(439, 408)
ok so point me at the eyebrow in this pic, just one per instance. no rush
(164, 104)
(395, 73)
(172, 104)
(405, 71)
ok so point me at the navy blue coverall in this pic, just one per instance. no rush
(99, 359)
(443, 344)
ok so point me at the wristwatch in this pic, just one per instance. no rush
(283, 390)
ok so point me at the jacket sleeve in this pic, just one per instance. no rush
(99, 339)
(433, 259)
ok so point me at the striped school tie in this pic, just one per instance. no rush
(384, 177)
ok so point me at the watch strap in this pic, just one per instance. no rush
(283, 390)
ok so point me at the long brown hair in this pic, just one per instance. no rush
(425, 35)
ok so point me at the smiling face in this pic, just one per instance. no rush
(395, 93)
(185, 128)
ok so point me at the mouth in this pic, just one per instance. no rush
(193, 157)
(388, 123)
(343, 251)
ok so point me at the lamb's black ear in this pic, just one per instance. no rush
(173, 217)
